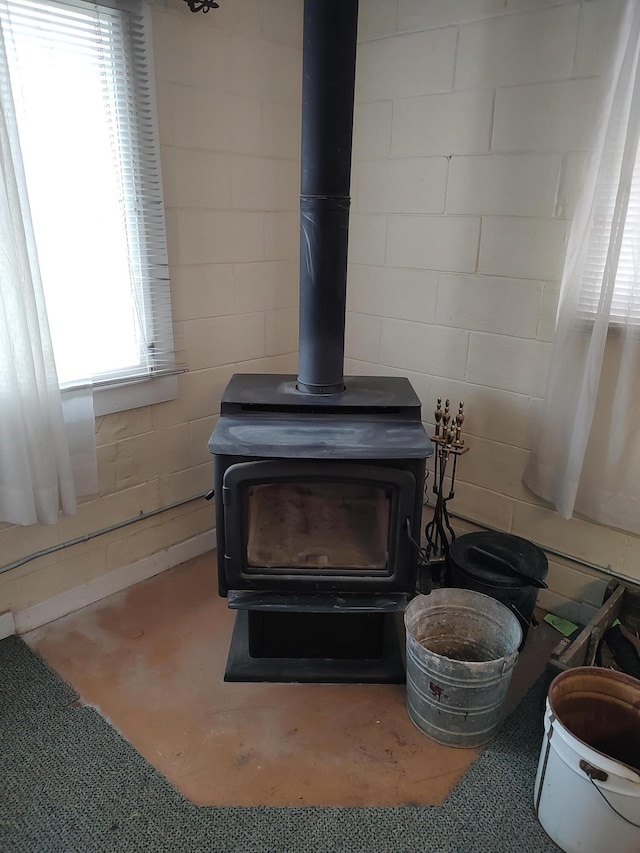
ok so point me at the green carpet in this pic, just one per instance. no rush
(69, 782)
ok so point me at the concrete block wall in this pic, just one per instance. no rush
(472, 125)
(228, 88)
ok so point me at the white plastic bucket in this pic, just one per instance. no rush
(587, 799)
(461, 650)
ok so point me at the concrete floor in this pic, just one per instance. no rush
(151, 659)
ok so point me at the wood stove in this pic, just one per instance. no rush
(319, 480)
(318, 500)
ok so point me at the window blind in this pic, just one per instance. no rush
(82, 79)
(616, 203)
(625, 305)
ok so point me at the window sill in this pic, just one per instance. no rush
(133, 395)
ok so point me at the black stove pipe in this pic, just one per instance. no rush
(328, 68)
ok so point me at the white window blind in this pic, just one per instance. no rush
(82, 81)
(612, 190)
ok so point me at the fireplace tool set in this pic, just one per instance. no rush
(439, 533)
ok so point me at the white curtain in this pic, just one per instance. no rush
(40, 449)
(586, 456)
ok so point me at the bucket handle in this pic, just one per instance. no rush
(508, 662)
(592, 773)
(532, 623)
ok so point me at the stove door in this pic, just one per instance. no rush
(314, 525)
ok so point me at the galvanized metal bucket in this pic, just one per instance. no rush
(461, 650)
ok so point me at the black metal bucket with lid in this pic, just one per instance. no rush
(506, 567)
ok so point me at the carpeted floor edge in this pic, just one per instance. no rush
(70, 782)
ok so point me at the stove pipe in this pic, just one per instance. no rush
(328, 68)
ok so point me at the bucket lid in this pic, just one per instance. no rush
(499, 559)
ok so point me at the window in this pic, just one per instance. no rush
(616, 200)
(625, 305)
(82, 81)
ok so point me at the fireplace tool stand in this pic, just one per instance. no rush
(439, 533)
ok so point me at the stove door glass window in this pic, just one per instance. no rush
(319, 526)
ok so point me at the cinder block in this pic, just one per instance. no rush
(202, 290)
(599, 22)
(282, 330)
(262, 183)
(204, 57)
(245, 17)
(481, 505)
(578, 584)
(224, 340)
(169, 36)
(265, 71)
(556, 117)
(495, 466)
(199, 397)
(406, 65)
(418, 15)
(503, 185)
(453, 123)
(265, 286)
(282, 236)
(166, 125)
(287, 363)
(165, 532)
(510, 364)
(195, 178)
(70, 570)
(447, 243)
(171, 225)
(17, 541)
(199, 434)
(367, 239)
(106, 454)
(215, 121)
(501, 416)
(372, 130)
(523, 247)
(282, 22)
(110, 428)
(572, 174)
(517, 48)
(362, 337)
(425, 349)
(631, 565)
(594, 543)
(212, 236)
(98, 513)
(548, 311)
(281, 130)
(389, 292)
(146, 457)
(506, 306)
(414, 185)
(180, 485)
(376, 18)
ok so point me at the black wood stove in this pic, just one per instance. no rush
(319, 479)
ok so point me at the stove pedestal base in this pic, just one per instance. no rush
(330, 648)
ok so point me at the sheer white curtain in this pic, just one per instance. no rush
(586, 456)
(47, 449)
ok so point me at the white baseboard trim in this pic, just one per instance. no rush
(7, 625)
(115, 581)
